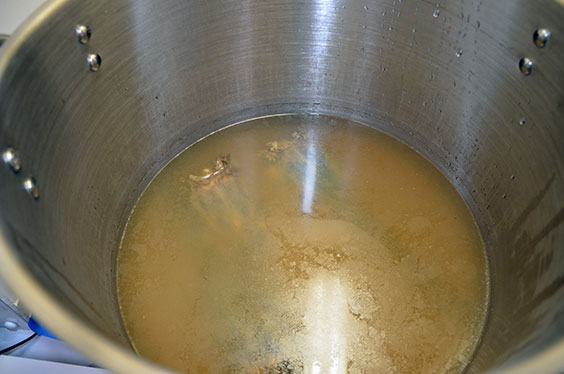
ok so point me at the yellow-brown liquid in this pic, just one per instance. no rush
(309, 244)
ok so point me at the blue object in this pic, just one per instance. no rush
(40, 330)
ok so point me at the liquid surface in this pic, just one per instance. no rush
(302, 244)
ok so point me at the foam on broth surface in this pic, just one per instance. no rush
(302, 244)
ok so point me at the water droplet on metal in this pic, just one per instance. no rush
(459, 53)
(523, 121)
(540, 37)
(94, 61)
(83, 34)
(526, 65)
(11, 158)
(11, 325)
(436, 13)
(31, 188)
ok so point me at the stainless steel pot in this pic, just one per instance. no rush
(96, 96)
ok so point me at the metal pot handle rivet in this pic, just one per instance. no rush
(83, 33)
(30, 185)
(11, 158)
(94, 61)
(541, 36)
(526, 66)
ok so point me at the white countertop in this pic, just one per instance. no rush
(14, 12)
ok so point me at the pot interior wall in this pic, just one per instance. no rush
(443, 78)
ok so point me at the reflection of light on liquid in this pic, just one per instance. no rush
(326, 306)
(316, 367)
(326, 325)
(323, 15)
(309, 176)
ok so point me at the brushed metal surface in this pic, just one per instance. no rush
(444, 78)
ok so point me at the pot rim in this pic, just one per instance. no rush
(86, 339)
